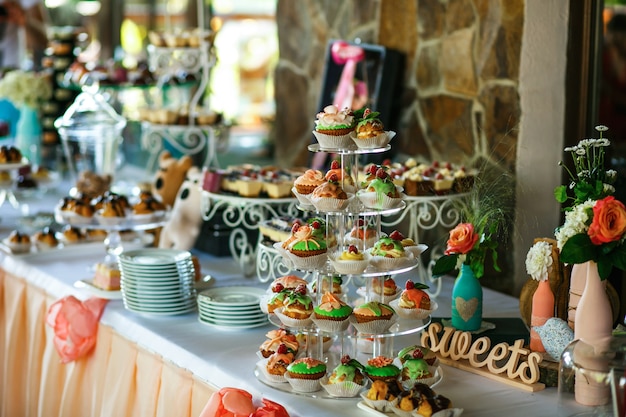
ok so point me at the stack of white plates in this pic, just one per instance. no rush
(231, 307)
(158, 281)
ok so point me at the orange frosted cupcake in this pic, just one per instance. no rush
(307, 182)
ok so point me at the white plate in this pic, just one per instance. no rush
(13, 165)
(87, 285)
(230, 313)
(160, 312)
(220, 317)
(222, 327)
(179, 309)
(157, 298)
(232, 296)
(223, 322)
(155, 257)
(216, 308)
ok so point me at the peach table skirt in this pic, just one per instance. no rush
(117, 378)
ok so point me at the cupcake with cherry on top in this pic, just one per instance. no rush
(331, 315)
(346, 379)
(381, 193)
(414, 302)
(297, 308)
(350, 261)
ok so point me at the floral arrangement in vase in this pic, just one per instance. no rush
(538, 265)
(595, 221)
(25, 88)
(485, 217)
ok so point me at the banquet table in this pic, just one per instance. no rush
(169, 365)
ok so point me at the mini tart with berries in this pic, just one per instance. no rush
(350, 261)
(381, 193)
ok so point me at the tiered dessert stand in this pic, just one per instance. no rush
(350, 341)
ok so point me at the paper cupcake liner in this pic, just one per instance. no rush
(291, 322)
(304, 385)
(331, 326)
(387, 299)
(373, 327)
(413, 313)
(344, 389)
(349, 267)
(389, 264)
(271, 377)
(331, 204)
(377, 201)
(303, 199)
(334, 142)
(416, 250)
(408, 383)
(263, 303)
(307, 263)
(379, 405)
(379, 141)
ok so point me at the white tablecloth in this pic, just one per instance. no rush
(227, 358)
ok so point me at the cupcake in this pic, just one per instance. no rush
(333, 127)
(381, 193)
(346, 379)
(46, 239)
(388, 288)
(330, 195)
(277, 363)
(276, 338)
(297, 307)
(370, 132)
(414, 302)
(332, 314)
(382, 368)
(416, 371)
(344, 178)
(306, 249)
(71, 234)
(373, 317)
(350, 261)
(287, 282)
(332, 283)
(388, 253)
(418, 352)
(304, 374)
(362, 233)
(307, 182)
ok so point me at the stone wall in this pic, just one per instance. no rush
(460, 101)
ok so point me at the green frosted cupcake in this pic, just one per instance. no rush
(415, 369)
(382, 368)
(306, 368)
(332, 308)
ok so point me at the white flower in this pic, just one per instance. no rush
(539, 260)
(25, 88)
(601, 128)
(460, 260)
(575, 223)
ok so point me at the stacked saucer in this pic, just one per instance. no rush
(231, 307)
(158, 281)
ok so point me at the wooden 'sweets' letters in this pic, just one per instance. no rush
(455, 348)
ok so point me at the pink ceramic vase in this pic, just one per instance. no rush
(578, 277)
(542, 310)
(594, 326)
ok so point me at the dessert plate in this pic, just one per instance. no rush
(232, 296)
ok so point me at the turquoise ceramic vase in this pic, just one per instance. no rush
(467, 301)
(28, 134)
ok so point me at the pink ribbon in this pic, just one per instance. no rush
(75, 325)
(348, 55)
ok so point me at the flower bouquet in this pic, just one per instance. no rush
(25, 88)
(595, 222)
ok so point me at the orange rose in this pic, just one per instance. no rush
(609, 221)
(462, 239)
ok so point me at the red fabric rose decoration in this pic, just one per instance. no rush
(462, 239)
(609, 221)
(229, 402)
(75, 325)
(270, 409)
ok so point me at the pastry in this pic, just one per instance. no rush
(287, 282)
(278, 361)
(9, 154)
(107, 277)
(305, 241)
(389, 286)
(363, 230)
(72, 234)
(306, 368)
(417, 352)
(414, 296)
(332, 308)
(334, 122)
(388, 248)
(422, 400)
(343, 177)
(384, 390)
(352, 253)
(369, 126)
(349, 370)
(332, 283)
(307, 182)
(329, 195)
(381, 368)
(83, 209)
(463, 180)
(373, 311)
(46, 238)
(297, 304)
(18, 242)
(279, 337)
(382, 185)
(415, 369)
